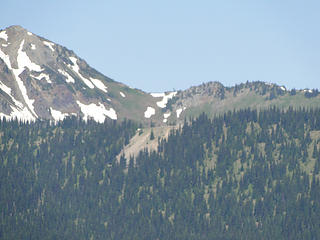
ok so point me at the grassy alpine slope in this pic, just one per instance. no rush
(214, 99)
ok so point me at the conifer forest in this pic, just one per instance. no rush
(247, 174)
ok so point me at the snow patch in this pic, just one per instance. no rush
(99, 84)
(29, 33)
(23, 90)
(122, 94)
(41, 76)
(24, 61)
(33, 47)
(69, 78)
(109, 99)
(166, 115)
(307, 90)
(164, 101)
(149, 112)
(97, 112)
(4, 35)
(179, 111)
(2, 116)
(6, 89)
(76, 68)
(6, 59)
(57, 115)
(22, 115)
(5, 45)
(49, 45)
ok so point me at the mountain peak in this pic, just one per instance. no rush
(40, 79)
(16, 28)
(14, 35)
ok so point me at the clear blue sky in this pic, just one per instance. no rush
(165, 45)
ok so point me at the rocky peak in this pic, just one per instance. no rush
(40, 79)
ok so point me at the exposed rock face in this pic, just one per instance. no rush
(40, 79)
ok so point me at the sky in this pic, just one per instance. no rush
(167, 45)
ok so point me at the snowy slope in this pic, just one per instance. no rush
(40, 79)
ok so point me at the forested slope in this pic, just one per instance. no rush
(242, 175)
(55, 179)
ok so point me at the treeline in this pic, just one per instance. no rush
(242, 175)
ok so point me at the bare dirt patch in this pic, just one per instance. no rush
(142, 140)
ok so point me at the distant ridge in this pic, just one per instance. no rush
(40, 79)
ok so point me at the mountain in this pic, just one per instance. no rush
(40, 79)
(213, 98)
(217, 162)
